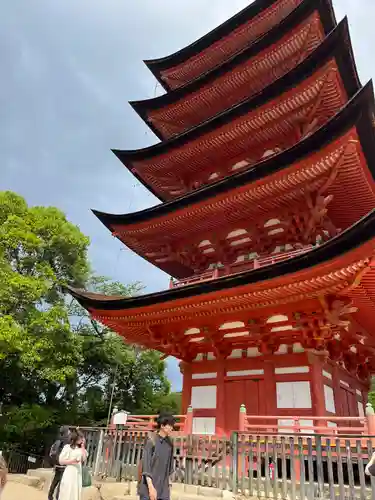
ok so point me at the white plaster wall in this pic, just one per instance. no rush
(284, 370)
(361, 410)
(332, 424)
(204, 425)
(244, 373)
(285, 422)
(293, 395)
(329, 399)
(327, 374)
(202, 376)
(203, 397)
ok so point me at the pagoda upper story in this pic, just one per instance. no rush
(244, 74)
(240, 137)
(219, 45)
(259, 135)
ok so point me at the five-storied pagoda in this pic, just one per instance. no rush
(265, 171)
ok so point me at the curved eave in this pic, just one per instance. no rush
(298, 15)
(358, 112)
(357, 235)
(337, 45)
(157, 66)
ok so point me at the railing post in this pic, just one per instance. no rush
(188, 427)
(99, 452)
(370, 417)
(297, 462)
(234, 462)
(242, 419)
(296, 425)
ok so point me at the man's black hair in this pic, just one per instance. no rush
(165, 419)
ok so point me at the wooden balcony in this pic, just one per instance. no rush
(237, 267)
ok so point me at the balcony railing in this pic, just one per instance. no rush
(237, 267)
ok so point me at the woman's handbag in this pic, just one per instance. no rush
(86, 477)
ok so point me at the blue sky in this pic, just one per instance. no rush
(68, 69)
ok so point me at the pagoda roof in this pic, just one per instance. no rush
(221, 43)
(300, 32)
(344, 266)
(271, 184)
(190, 153)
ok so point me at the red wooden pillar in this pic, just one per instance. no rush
(220, 398)
(317, 388)
(185, 369)
(270, 403)
(337, 391)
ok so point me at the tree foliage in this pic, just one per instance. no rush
(58, 365)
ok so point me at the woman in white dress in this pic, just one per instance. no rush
(72, 455)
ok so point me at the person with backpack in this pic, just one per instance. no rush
(157, 461)
(55, 451)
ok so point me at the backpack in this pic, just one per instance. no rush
(55, 451)
(151, 437)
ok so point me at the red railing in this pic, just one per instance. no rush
(285, 424)
(196, 278)
(273, 259)
(219, 272)
(327, 425)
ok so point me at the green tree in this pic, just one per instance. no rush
(57, 364)
(39, 252)
(135, 376)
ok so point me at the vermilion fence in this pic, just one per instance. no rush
(288, 457)
(301, 467)
(332, 426)
(237, 267)
(287, 466)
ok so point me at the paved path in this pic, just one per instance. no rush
(17, 491)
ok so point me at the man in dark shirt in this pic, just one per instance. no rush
(157, 462)
(58, 445)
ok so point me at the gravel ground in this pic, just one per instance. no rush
(16, 491)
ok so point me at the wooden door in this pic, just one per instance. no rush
(349, 407)
(252, 397)
(234, 398)
(238, 392)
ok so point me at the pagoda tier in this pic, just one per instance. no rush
(300, 331)
(220, 44)
(237, 139)
(323, 299)
(242, 76)
(291, 200)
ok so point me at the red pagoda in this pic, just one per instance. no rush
(265, 170)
